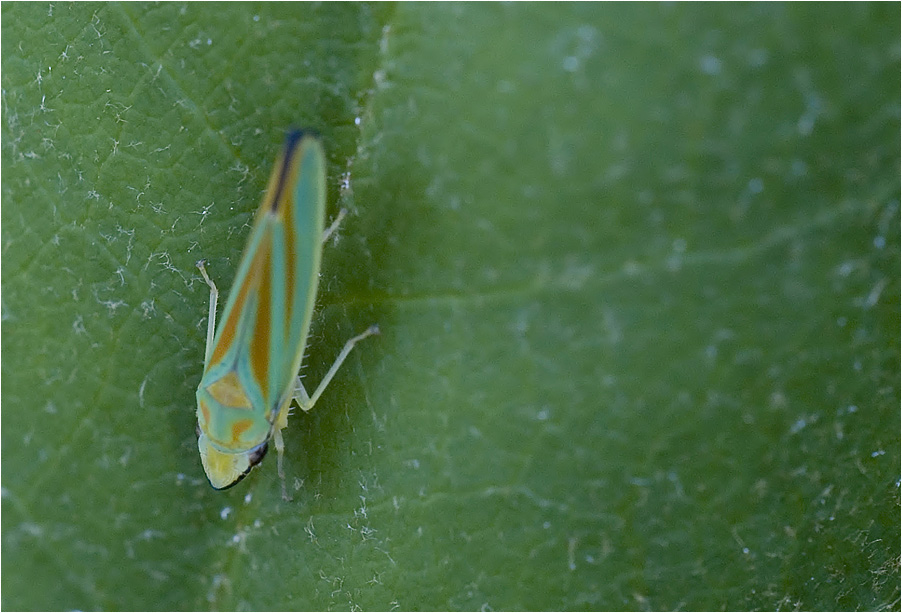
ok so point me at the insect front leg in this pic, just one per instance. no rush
(334, 225)
(211, 317)
(305, 401)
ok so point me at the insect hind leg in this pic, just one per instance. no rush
(307, 401)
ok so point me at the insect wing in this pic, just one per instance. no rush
(259, 343)
(302, 229)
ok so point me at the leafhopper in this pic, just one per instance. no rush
(253, 357)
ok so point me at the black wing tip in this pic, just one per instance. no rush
(296, 135)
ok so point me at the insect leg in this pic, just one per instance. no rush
(306, 401)
(334, 225)
(279, 442)
(211, 318)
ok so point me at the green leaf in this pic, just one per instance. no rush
(636, 268)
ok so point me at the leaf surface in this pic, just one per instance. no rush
(636, 269)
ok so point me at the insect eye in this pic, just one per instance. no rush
(257, 454)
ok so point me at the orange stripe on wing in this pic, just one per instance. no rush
(227, 336)
(205, 411)
(229, 392)
(239, 428)
(260, 333)
(279, 202)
